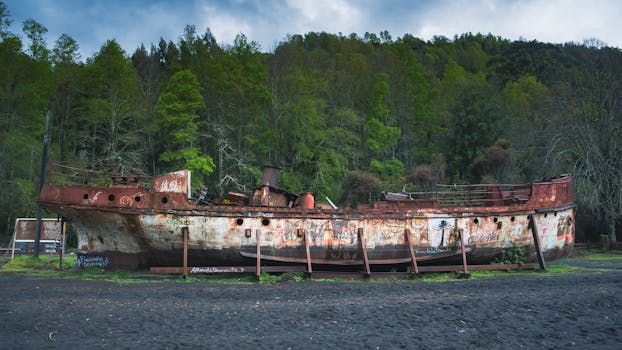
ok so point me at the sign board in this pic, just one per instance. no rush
(24, 236)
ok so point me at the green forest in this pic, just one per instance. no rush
(335, 112)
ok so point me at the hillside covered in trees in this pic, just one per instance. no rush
(335, 112)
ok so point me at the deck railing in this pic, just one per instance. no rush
(480, 195)
(101, 174)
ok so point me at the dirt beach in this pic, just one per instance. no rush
(580, 310)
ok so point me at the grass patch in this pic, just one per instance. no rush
(562, 269)
(435, 277)
(117, 276)
(271, 278)
(453, 276)
(48, 266)
(44, 263)
(597, 254)
(551, 269)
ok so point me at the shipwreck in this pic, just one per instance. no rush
(133, 223)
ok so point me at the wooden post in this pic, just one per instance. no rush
(309, 268)
(63, 227)
(258, 271)
(536, 241)
(361, 235)
(464, 259)
(413, 258)
(184, 231)
(13, 247)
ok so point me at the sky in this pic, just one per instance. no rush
(268, 22)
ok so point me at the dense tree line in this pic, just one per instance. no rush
(337, 113)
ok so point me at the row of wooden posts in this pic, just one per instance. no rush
(367, 272)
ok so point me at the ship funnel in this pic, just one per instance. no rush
(270, 176)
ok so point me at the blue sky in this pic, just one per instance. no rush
(132, 22)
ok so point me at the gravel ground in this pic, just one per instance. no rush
(535, 311)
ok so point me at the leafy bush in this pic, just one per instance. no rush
(514, 255)
(267, 278)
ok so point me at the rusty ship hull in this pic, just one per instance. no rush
(124, 226)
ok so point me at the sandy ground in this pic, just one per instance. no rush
(537, 311)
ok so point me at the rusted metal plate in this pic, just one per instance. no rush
(270, 176)
(119, 196)
(267, 196)
(177, 182)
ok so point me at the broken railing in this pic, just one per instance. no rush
(98, 174)
(482, 195)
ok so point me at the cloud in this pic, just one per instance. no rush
(564, 21)
(556, 21)
(270, 21)
(137, 25)
(328, 15)
(224, 26)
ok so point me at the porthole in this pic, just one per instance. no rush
(137, 199)
(239, 221)
(512, 219)
(554, 213)
(495, 219)
(546, 214)
(85, 196)
(265, 222)
(111, 197)
(476, 221)
(164, 200)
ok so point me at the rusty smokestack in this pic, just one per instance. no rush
(270, 176)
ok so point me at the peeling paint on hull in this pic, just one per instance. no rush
(130, 228)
